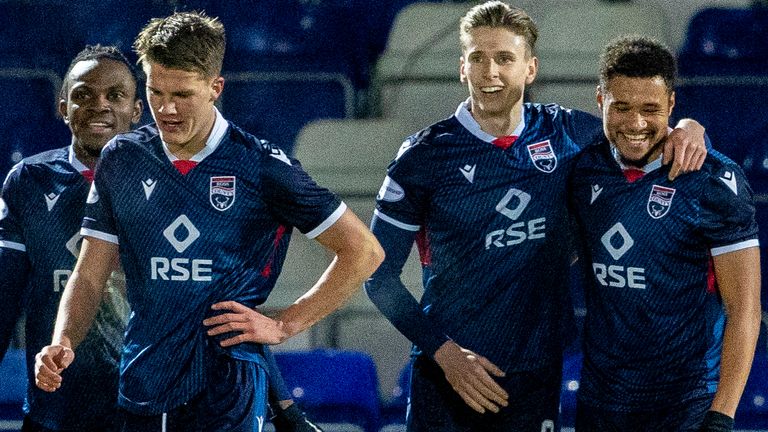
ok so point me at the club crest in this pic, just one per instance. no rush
(659, 201)
(543, 156)
(222, 194)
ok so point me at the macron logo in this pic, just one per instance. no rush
(596, 190)
(469, 172)
(50, 200)
(730, 180)
(149, 187)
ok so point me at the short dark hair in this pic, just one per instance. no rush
(189, 41)
(637, 57)
(496, 13)
(99, 52)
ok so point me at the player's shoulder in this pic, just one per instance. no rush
(132, 140)
(422, 144)
(717, 163)
(42, 164)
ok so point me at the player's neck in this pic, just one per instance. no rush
(83, 155)
(498, 124)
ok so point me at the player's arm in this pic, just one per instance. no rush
(14, 267)
(79, 304)
(468, 373)
(358, 254)
(738, 279)
(685, 147)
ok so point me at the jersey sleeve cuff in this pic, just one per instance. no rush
(330, 220)
(13, 245)
(395, 222)
(734, 247)
(87, 232)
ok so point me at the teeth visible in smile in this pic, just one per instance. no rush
(98, 124)
(493, 89)
(640, 137)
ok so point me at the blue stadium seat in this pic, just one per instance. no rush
(333, 386)
(276, 105)
(571, 379)
(723, 74)
(298, 36)
(13, 387)
(28, 122)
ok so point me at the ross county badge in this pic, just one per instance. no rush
(222, 194)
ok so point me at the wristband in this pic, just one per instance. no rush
(716, 422)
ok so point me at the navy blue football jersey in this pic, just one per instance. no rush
(654, 324)
(218, 233)
(494, 223)
(41, 211)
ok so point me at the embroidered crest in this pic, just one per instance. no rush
(659, 201)
(543, 156)
(222, 194)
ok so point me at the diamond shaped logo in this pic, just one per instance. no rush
(626, 241)
(179, 244)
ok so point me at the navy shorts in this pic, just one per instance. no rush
(534, 398)
(235, 400)
(685, 417)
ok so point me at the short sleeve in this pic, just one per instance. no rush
(728, 211)
(99, 221)
(404, 194)
(11, 207)
(295, 198)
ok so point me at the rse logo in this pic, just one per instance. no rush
(618, 242)
(181, 269)
(518, 232)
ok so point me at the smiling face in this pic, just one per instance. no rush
(101, 102)
(636, 116)
(496, 67)
(182, 106)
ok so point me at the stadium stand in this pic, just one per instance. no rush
(28, 118)
(723, 73)
(569, 45)
(335, 387)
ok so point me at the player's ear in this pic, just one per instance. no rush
(462, 74)
(62, 107)
(217, 86)
(599, 97)
(138, 109)
(671, 101)
(532, 70)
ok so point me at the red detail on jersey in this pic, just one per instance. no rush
(632, 174)
(88, 174)
(504, 142)
(184, 166)
(267, 270)
(422, 244)
(711, 281)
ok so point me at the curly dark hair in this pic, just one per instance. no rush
(99, 52)
(637, 57)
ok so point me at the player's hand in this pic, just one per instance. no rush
(685, 148)
(249, 324)
(49, 363)
(470, 376)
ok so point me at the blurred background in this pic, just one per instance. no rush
(340, 84)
